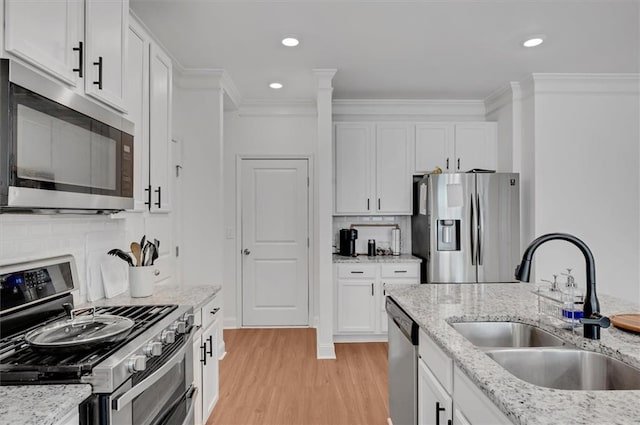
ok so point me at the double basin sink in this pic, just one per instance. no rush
(543, 359)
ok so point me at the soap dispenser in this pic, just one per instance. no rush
(573, 300)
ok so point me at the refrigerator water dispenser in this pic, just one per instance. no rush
(448, 235)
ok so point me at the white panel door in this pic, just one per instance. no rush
(475, 146)
(393, 178)
(106, 40)
(353, 173)
(275, 231)
(45, 34)
(434, 147)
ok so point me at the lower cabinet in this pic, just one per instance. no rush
(72, 418)
(360, 313)
(206, 345)
(446, 396)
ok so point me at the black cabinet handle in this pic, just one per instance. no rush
(356, 272)
(210, 352)
(378, 203)
(438, 410)
(99, 65)
(148, 202)
(159, 192)
(449, 422)
(367, 204)
(372, 289)
(458, 163)
(399, 271)
(447, 163)
(203, 360)
(80, 50)
(215, 310)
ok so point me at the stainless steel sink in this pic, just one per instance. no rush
(567, 369)
(506, 334)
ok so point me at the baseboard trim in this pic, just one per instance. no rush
(360, 338)
(326, 351)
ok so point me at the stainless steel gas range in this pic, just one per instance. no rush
(140, 375)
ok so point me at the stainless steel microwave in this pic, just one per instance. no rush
(60, 152)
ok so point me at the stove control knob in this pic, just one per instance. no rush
(168, 337)
(189, 319)
(179, 327)
(137, 363)
(153, 349)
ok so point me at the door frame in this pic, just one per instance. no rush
(311, 225)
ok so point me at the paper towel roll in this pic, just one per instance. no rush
(395, 241)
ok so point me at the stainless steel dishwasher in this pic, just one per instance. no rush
(403, 366)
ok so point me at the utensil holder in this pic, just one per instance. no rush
(141, 281)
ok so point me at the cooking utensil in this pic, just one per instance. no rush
(629, 322)
(142, 241)
(135, 249)
(156, 245)
(122, 255)
(80, 332)
(148, 253)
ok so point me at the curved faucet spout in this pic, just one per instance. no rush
(591, 304)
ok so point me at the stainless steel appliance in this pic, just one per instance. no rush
(348, 242)
(403, 366)
(466, 227)
(58, 150)
(145, 378)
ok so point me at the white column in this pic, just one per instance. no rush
(324, 172)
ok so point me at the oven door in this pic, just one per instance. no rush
(166, 396)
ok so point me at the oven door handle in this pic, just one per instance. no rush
(189, 418)
(134, 392)
(190, 394)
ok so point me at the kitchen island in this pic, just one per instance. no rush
(433, 307)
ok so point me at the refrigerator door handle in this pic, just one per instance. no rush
(472, 232)
(480, 232)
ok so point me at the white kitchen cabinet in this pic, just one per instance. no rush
(459, 418)
(360, 313)
(205, 358)
(47, 34)
(455, 147)
(473, 404)
(106, 32)
(435, 406)
(372, 174)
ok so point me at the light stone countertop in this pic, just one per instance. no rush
(47, 404)
(39, 404)
(378, 259)
(433, 306)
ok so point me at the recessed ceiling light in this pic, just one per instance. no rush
(290, 41)
(533, 41)
(275, 86)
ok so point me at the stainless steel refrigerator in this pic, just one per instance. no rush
(466, 227)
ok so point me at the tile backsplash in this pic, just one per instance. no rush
(382, 234)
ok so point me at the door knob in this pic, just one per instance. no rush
(246, 251)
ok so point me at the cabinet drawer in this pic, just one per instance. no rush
(356, 271)
(439, 363)
(400, 270)
(210, 311)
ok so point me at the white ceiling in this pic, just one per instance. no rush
(398, 49)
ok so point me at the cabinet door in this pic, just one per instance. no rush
(45, 34)
(137, 105)
(434, 404)
(160, 129)
(210, 371)
(106, 31)
(198, 359)
(475, 146)
(353, 168)
(434, 147)
(474, 405)
(393, 177)
(356, 306)
(458, 418)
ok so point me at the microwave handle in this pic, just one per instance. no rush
(138, 389)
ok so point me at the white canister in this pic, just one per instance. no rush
(395, 241)
(141, 281)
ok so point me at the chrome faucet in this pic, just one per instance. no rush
(593, 320)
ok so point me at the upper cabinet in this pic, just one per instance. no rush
(455, 147)
(106, 39)
(81, 43)
(372, 173)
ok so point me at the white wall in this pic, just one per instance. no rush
(587, 132)
(259, 134)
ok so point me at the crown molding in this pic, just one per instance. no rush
(409, 107)
(271, 108)
(325, 77)
(502, 97)
(212, 79)
(624, 83)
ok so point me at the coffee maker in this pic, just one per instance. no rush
(348, 242)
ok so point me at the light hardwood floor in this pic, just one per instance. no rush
(272, 377)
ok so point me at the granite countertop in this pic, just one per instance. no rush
(197, 296)
(434, 306)
(39, 404)
(364, 259)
